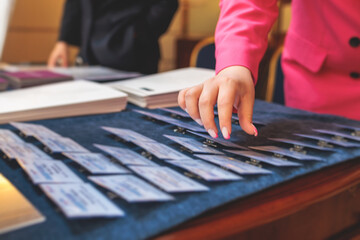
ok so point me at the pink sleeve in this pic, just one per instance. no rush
(242, 31)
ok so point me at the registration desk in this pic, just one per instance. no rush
(317, 200)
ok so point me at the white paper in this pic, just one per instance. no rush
(166, 82)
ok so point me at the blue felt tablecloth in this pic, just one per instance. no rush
(148, 219)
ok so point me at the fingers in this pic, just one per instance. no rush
(192, 96)
(207, 102)
(52, 61)
(225, 102)
(245, 112)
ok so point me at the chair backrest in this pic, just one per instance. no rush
(275, 84)
(203, 54)
(6, 7)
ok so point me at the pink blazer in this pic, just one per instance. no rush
(321, 58)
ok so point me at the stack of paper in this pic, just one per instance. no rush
(96, 73)
(60, 100)
(161, 90)
(21, 79)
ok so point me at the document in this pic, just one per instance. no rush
(131, 188)
(168, 179)
(96, 163)
(275, 161)
(50, 172)
(193, 145)
(126, 156)
(15, 210)
(81, 201)
(303, 155)
(206, 171)
(233, 165)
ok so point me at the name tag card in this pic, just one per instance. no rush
(223, 142)
(96, 163)
(131, 188)
(8, 136)
(24, 151)
(128, 135)
(126, 156)
(206, 171)
(234, 165)
(333, 140)
(168, 179)
(288, 153)
(275, 161)
(303, 144)
(193, 145)
(35, 130)
(172, 121)
(62, 145)
(81, 201)
(162, 151)
(338, 133)
(50, 172)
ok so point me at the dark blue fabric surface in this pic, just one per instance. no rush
(148, 219)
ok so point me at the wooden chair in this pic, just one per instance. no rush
(203, 54)
(275, 84)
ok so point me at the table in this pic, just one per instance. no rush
(301, 199)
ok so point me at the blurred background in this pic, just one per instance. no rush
(34, 28)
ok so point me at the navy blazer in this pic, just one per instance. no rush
(121, 34)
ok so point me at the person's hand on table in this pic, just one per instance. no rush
(232, 89)
(59, 55)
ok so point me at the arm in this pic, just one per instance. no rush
(70, 33)
(240, 39)
(242, 31)
(158, 16)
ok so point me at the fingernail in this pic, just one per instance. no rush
(212, 133)
(225, 133)
(186, 110)
(198, 121)
(255, 130)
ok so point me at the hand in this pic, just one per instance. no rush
(233, 91)
(59, 53)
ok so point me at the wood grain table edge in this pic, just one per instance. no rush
(269, 205)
